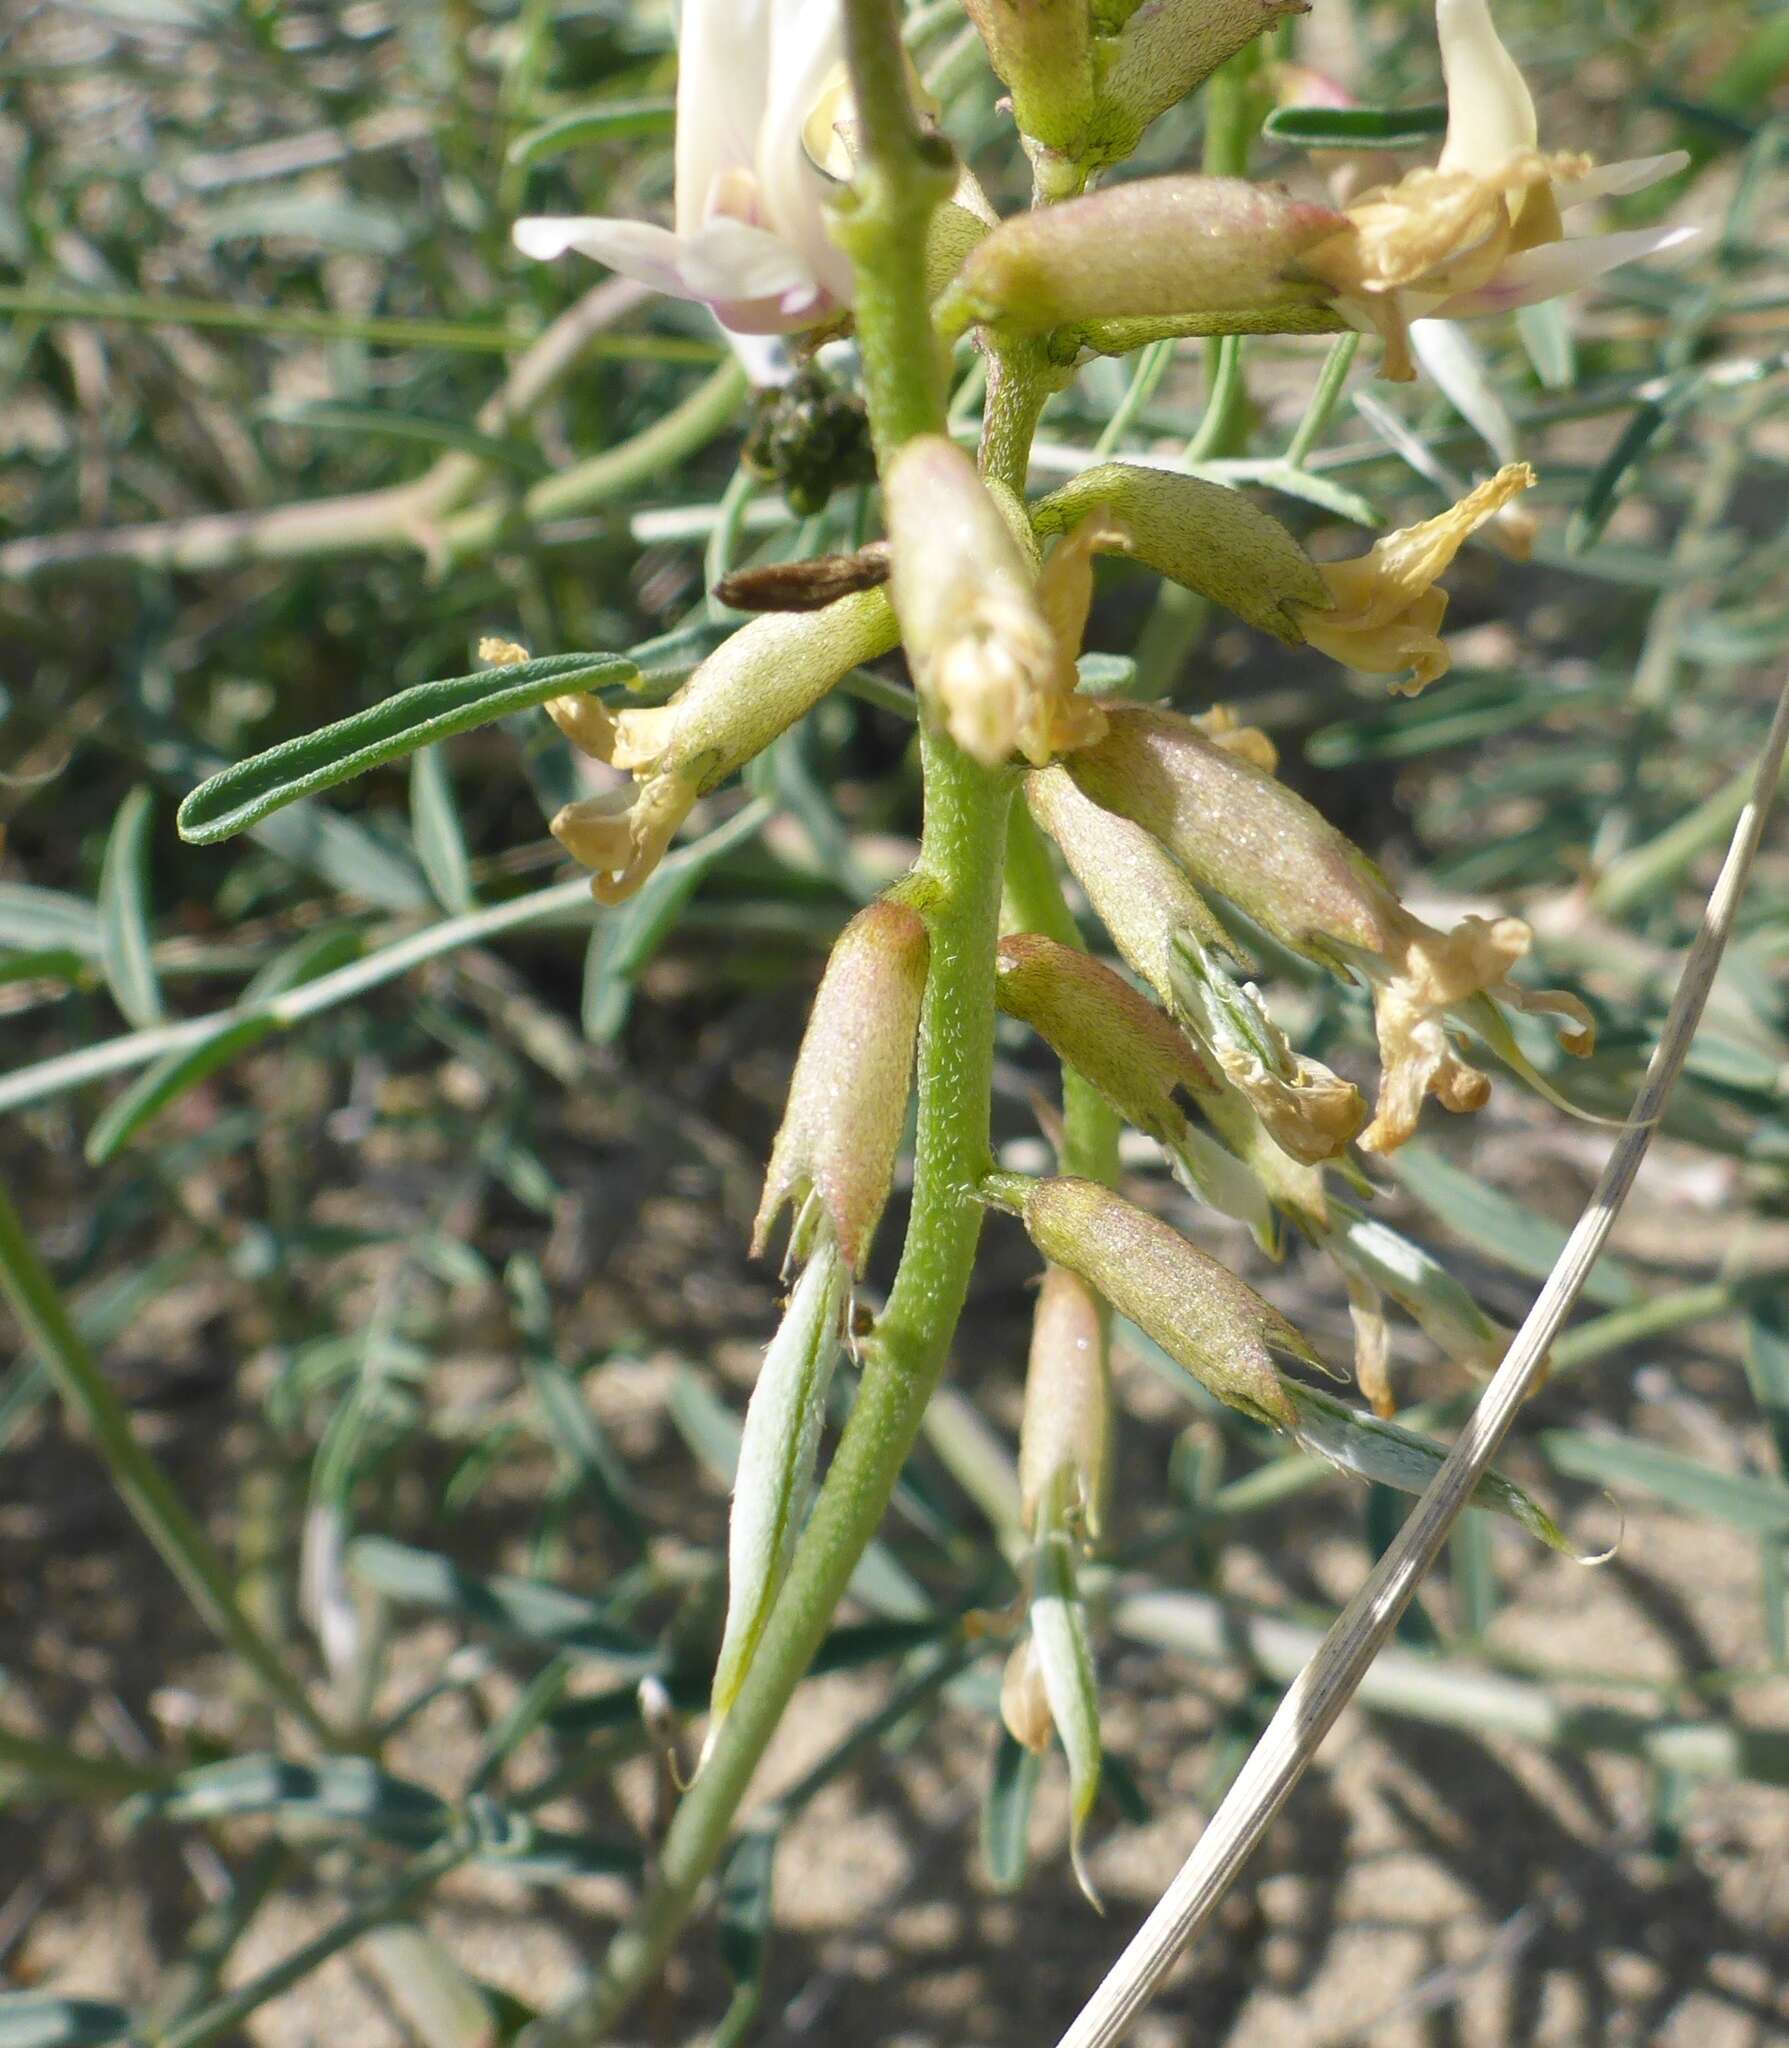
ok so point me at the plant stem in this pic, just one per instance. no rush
(144, 1486)
(26, 1763)
(956, 888)
(1020, 382)
(881, 221)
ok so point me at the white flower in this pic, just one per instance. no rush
(1483, 230)
(761, 103)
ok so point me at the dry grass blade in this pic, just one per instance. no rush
(1333, 1675)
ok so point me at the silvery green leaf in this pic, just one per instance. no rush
(1219, 1178)
(776, 1466)
(1059, 1641)
(1389, 1455)
(1442, 1309)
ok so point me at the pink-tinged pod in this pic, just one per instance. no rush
(1203, 1317)
(1132, 1052)
(848, 1098)
(1066, 1434)
(1155, 248)
(1239, 832)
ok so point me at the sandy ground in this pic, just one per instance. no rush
(1425, 1887)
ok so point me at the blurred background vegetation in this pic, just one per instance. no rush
(400, 1196)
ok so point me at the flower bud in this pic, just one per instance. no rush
(1094, 1020)
(1065, 1436)
(848, 1097)
(1157, 247)
(1201, 1315)
(777, 1451)
(1384, 614)
(1202, 535)
(990, 653)
(751, 689)
(1238, 831)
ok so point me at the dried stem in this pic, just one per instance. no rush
(1333, 1676)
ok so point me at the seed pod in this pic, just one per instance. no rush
(1201, 535)
(1167, 49)
(1140, 894)
(1203, 1317)
(848, 1097)
(1132, 1053)
(1065, 1436)
(1238, 831)
(1157, 247)
(777, 1450)
(1042, 52)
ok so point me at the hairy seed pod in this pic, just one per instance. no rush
(1154, 248)
(1203, 1317)
(848, 1096)
(1199, 534)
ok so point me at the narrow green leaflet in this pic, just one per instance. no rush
(124, 939)
(1059, 1639)
(527, 1608)
(1356, 127)
(28, 2020)
(1504, 1229)
(242, 795)
(1006, 1813)
(47, 920)
(1387, 1454)
(1623, 1462)
(744, 1925)
(435, 826)
(775, 1473)
(382, 422)
(343, 1791)
(169, 1079)
(593, 124)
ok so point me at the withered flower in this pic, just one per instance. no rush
(1386, 611)
(1240, 832)
(1482, 231)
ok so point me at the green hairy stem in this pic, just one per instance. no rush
(956, 887)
